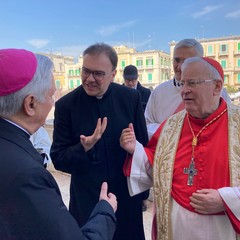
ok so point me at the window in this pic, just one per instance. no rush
(149, 77)
(123, 64)
(71, 84)
(149, 62)
(61, 67)
(58, 83)
(223, 63)
(161, 60)
(225, 79)
(70, 72)
(210, 50)
(78, 82)
(163, 76)
(139, 63)
(239, 47)
(169, 62)
(238, 62)
(223, 48)
(77, 72)
(238, 78)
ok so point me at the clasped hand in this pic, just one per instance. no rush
(89, 141)
(207, 201)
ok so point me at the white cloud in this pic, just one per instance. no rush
(38, 43)
(206, 10)
(134, 44)
(235, 14)
(111, 29)
(142, 44)
(74, 50)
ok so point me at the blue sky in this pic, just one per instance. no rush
(70, 26)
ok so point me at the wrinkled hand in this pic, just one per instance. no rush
(89, 141)
(109, 197)
(128, 139)
(207, 201)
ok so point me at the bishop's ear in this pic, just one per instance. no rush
(29, 105)
(218, 86)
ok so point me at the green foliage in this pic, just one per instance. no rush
(232, 89)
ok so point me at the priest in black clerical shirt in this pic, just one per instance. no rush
(87, 127)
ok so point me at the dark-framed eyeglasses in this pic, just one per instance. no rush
(97, 75)
(193, 83)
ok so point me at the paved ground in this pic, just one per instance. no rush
(63, 181)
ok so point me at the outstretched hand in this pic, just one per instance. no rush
(89, 141)
(109, 197)
(128, 139)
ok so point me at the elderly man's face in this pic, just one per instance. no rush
(200, 99)
(96, 74)
(179, 56)
(43, 108)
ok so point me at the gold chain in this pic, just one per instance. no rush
(195, 137)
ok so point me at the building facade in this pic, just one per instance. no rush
(153, 65)
(226, 50)
(61, 71)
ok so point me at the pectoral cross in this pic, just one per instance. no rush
(191, 171)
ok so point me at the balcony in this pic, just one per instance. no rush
(223, 53)
(237, 53)
(212, 55)
(149, 66)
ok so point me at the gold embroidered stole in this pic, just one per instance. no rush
(164, 161)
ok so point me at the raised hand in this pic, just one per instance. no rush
(89, 141)
(128, 139)
(109, 197)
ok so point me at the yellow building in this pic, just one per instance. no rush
(226, 50)
(153, 65)
(72, 75)
(60, 63)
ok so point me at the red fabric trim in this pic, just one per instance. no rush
(127, 165)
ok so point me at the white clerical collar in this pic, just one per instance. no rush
(99, 97)
(13, 123)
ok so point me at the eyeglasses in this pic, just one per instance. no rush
(178, 60)
(97, 75)
(193, 83)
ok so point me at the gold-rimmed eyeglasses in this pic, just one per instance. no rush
(193, 83)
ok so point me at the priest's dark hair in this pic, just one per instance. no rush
(99, 48)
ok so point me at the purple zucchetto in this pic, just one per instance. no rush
(17, 68)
